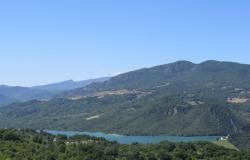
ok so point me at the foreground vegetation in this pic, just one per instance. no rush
(30, 145)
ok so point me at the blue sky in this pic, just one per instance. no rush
(43, 41)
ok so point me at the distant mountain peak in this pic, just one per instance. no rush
(70, 80)
(69, 84)
(212, 62)
(183, 62)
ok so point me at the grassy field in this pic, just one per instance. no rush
(226, 144)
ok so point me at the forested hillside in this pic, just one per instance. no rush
(181, 98)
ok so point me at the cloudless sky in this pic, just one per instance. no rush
(43, 41)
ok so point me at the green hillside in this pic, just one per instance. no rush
(226, 144)
(182, 98)
(209, 74)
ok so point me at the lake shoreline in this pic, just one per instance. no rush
(135, 134)
(144, 139)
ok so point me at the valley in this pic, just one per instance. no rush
(181, 98)
(124, 80)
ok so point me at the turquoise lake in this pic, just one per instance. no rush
(138, 139)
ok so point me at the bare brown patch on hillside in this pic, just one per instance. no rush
(237, 100)
(109, 93)
(195, 103)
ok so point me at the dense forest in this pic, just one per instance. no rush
(34, 145)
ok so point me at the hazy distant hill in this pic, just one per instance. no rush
(70, 84)
(11, 94)
(21, 94)
(180, 98)
(5, 100)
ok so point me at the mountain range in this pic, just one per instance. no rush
(11, 94)
(69, 84)
(180, 98)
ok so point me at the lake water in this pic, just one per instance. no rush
(138, 139)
